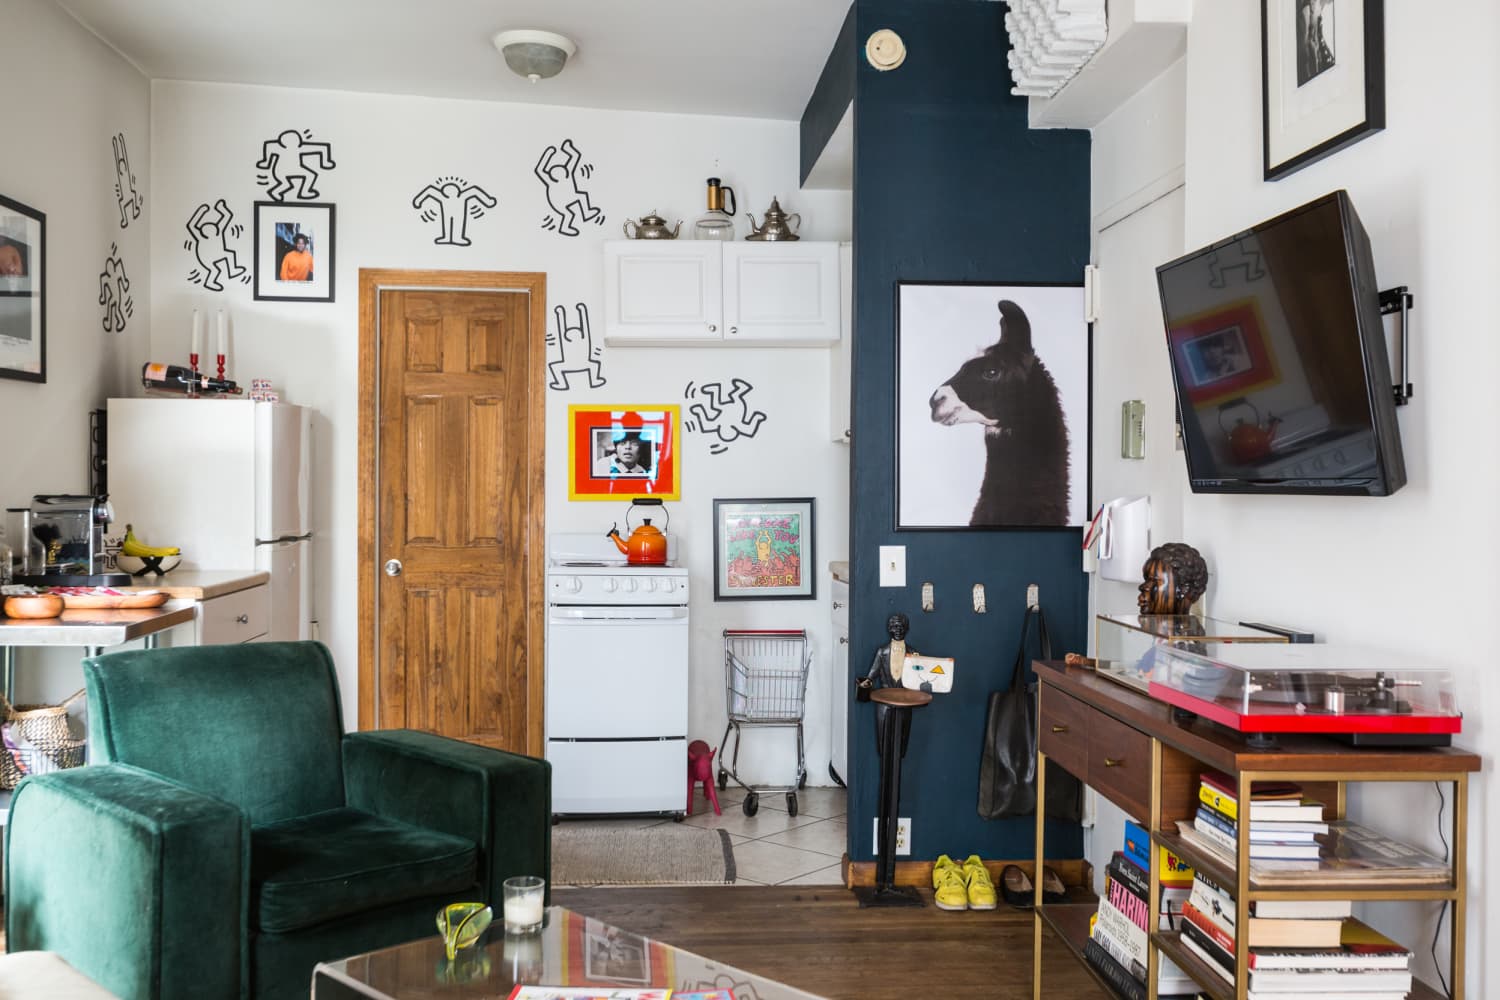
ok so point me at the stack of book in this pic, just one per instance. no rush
(1117, 944)
(1308, 948)
(1283, 826)
(1173, 873)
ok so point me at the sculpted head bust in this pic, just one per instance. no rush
(1175, 576)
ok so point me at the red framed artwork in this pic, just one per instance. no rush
(1223, 353)
(623, 452)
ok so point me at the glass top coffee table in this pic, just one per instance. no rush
(571, 952)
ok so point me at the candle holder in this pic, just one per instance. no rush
(221, 367)
(192, 389)
(524, 897)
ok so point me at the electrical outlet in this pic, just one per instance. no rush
(903, 835)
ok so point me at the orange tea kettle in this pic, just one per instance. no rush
(1249, 442)
(647, 545)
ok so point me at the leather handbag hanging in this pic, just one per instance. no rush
(1007, 765)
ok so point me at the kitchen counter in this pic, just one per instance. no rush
(840, 571)
(200, 584)
(85, 627)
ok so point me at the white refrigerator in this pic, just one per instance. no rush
(227, 481)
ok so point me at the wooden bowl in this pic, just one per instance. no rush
(33, 606)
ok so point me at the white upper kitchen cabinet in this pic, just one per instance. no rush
(671, 292)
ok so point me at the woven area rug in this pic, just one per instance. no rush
(592, 854)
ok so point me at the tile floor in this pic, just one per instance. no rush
(772, 847)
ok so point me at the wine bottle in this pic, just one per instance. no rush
(179, 378)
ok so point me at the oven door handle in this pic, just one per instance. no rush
(616, 615)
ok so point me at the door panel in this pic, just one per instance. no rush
(457, 424)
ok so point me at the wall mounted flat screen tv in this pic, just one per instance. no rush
(1279, 359)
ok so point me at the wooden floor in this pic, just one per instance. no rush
(818, 939)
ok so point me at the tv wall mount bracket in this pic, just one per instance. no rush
(1399, 300)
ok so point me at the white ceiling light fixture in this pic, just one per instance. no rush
(536, 55)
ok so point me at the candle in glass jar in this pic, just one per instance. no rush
(523, 911)
(197, 334)
(223, 333)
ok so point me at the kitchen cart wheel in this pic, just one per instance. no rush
(751, 804)
(791, 803)
(678, 817)
(723, 781)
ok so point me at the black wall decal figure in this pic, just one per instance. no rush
(217, 260)
(452, 202)
(709, 417)
(559, 171)
(129, 198)
(573, 351)
(285, 162)
(114, 292)
(1234, 258)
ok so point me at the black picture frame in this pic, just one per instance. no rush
(941, 466)
(277, 225)
(23, 292)
(1322, 79)
(789, 525)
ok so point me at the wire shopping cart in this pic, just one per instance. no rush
(765, 684)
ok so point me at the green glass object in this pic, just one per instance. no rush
(460, 924)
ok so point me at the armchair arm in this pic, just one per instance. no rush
(139, 882)
(501, 801)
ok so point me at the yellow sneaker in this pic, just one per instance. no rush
(981, 891)
(950, 886)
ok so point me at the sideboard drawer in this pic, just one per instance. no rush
(1120, 765)
(1063, 730)
(235, 618)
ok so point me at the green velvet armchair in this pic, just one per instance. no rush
(230, 835)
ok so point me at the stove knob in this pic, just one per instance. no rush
(650, 584)
(572, 585)
(630, 585)
(610, 585)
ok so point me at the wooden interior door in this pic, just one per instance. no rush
(455, 547)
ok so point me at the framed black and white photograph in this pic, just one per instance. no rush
(293, 251)
(1322, 78)
(23, 292)
(992, 406)
(763, 549)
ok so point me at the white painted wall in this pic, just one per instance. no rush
(69, 94)
(1410, 573)
(206, 140)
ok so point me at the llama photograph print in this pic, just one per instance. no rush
(992, 406)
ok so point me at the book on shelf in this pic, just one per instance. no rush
(1333, 981)
(1193, 941)
(1113, 972)
(1119, 926)
(1269, 849)
(1170, 903)
(1215, 916)
(1171, 870)
(1274, 801)
(1360, 947)
(1207, 927)
(1279, 832)
(1309, 908)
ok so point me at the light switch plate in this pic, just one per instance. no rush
(893, 565)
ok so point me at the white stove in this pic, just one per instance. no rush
(617, 680)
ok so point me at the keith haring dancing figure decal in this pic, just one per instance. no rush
(572, 351)
(285, 160)
(129, 198)
(451, 202)
(559, 170)
(210, 234)
(114, 292)
(1234, 258)
(710, 417)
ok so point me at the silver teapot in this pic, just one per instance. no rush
(777, 225)
(651, 227)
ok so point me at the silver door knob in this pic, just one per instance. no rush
(393, 567)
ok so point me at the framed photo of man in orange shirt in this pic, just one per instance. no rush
(293, 251)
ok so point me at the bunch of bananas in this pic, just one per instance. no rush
(133, 547)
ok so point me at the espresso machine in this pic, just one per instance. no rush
(66, 542)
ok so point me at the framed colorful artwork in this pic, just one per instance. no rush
(1322, 78)
(623, 452)
(763, 549)
(1222, 354)
(293, 251)
(23, 285)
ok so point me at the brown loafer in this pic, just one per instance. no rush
(1016, 887)
(1053, 890)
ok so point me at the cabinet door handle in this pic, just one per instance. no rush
(712, 328)
(1113, 761)
(733, 330)
(242, 619)
(1059, 729)
(843, 640)
(837, 605)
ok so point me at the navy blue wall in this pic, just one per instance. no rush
(950, 185)
(830, 98)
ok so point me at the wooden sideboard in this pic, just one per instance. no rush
(1127, 746)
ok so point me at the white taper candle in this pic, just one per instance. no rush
(197, 333)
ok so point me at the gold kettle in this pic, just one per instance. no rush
(776, 225)
(651, 227)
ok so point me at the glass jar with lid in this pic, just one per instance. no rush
(717, 223)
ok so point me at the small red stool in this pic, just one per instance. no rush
(701, 768)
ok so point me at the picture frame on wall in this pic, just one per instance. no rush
(992, 406)
(623, 452)
(23, 292)
(294, 251)
(1322, 78)
(1223, 353)
(764, 550)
